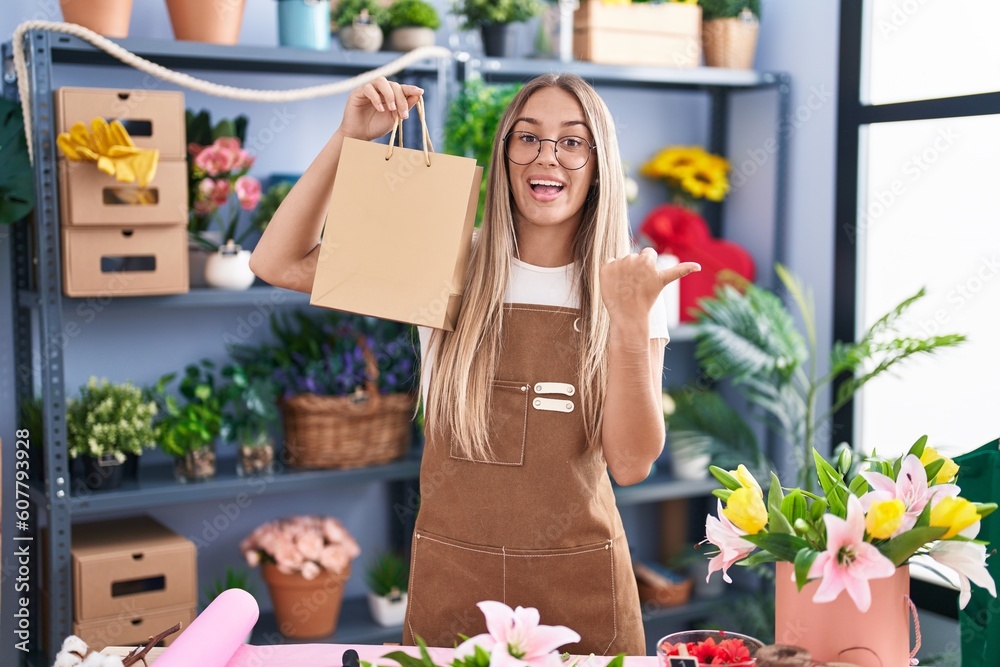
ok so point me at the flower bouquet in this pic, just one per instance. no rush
(514, 638)
(305, 561)
(866, 525)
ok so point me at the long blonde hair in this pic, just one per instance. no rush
(465, 360)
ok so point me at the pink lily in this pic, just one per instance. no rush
(968, 560)
(848, 562)
(910, 486)
(722, 533)
(515, 639)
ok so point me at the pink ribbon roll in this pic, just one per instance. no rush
(215, 636)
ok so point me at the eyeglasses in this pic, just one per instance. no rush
(524, 148)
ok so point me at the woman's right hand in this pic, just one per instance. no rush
(373, 108)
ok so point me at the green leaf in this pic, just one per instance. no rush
(758, 558)
(407, 660)
(933, 468)
(782, 545)
(901, 547)
(803, 563)
(777, 522)
(794, 507)
(704, 422)
(818, 509)
(17, 179)
(985, 509)
(859, 486)
(722, 494)
(617, 661)
(917, 449)
(725, 479)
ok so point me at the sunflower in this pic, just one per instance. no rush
(690, 171)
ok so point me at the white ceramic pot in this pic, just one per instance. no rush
(407, 39)
(361, 37)
(229, 268)
(387, 612)
(691, 466)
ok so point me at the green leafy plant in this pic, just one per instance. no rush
(348, 10)
(233, 578)
(726, 9)
(269, 204)
(109, 419)
(193, 421)
(248, 405)
(750, 338)
(475, 13)
(412, 13)
(17, 180)
(388, 575)
(320, 353)
(471, 122)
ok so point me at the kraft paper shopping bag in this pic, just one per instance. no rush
(398, 232)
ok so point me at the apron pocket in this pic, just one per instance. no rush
(574, 587)
(508, 425)
(447, 579)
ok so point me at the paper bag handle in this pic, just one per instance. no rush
(425, 139)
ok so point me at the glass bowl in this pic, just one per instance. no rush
(697, 636)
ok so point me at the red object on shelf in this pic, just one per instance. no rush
(679, 231)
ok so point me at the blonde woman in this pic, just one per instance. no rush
(550, 381)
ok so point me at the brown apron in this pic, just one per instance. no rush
(534, 526)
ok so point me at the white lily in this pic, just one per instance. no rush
(968, 560)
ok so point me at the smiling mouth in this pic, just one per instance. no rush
(545, 187)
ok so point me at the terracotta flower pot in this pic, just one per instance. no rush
(305, 609)
(216, 22)
(837, 631)
(105, 17)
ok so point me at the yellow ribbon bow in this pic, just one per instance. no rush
(111, 147)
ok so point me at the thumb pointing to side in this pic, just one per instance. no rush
(668, 276)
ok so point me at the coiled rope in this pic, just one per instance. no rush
(191, 82)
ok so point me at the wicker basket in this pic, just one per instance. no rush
(655, 589)
(730, 42)
(363, 429)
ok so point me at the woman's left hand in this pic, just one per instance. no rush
(630, 285)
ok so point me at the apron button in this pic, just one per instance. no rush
(570, 390)
(524, 388)
(569, 406)
(538, 388)
(538, 402)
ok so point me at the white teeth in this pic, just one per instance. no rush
(536, 181)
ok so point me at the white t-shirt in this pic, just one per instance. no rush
(542, 286)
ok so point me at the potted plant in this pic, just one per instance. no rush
(249, 412)
(359, 24)
(106, 423)
(234, 577)
(187, 427)
(472, 120)
(193, 21)
(411, 24)
(305, 562)
(345, 386)
(269, 203)
(729, 32)
(749, 337)
(388, 577)
(497, 21)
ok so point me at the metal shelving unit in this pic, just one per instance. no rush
(39, 304)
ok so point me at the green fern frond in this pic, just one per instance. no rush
(704, 422)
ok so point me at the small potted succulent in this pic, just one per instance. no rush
(387, 578)
(411, 24)
(187, 427)
(107, 423)
(249, 411)
(359, 24)
(235, 577)
(497, 21)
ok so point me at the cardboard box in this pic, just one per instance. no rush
(122, 261)
(154, 119)
(131, 566)
(91, 197)
(658, 35)
(133, 628)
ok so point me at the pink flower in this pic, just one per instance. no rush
(515, 638)
(848, 562)
(248, 191)
(968, 560)
(334, 559)
(253, 557)
(333, 530)
(194, 149)
(310, 545)
(310, 570)
(721, 532)
(910, 486)
(244, 160)
(219, 158)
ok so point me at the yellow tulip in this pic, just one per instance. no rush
(955, 514)
(947, 471)
(746, 480)
(885, 517)
(746, 510)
